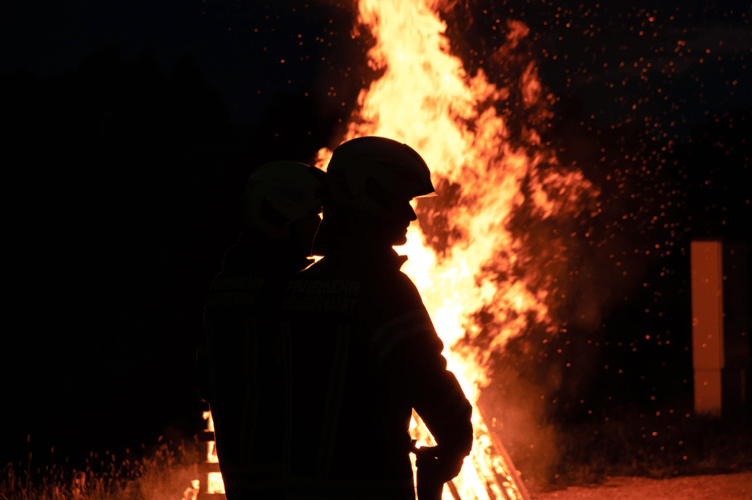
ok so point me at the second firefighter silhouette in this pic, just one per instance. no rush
(358, 347)
(239, 374)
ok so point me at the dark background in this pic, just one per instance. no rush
(130, 127)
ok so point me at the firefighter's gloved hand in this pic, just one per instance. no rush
(435, 466)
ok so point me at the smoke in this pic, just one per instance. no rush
(522, 424)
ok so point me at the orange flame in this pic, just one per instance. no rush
(426, 100)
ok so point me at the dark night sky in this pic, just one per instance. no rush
(131, 125)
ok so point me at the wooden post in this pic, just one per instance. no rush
(707, 325)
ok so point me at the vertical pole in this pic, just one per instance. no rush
(707, 324)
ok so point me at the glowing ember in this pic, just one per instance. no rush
(425, 99)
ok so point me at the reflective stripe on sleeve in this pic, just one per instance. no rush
(398, 329)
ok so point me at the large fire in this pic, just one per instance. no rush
(426, 100)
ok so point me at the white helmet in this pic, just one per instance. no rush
(279, 193)
(373, 173)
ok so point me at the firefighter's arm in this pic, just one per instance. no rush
(440, 402)
(409, 352)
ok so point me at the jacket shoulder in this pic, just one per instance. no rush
(393, 291)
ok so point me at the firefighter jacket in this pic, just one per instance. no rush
(233, 357)
(354, 352)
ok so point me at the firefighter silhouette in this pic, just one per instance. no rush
(355, 352)
(281, 206)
